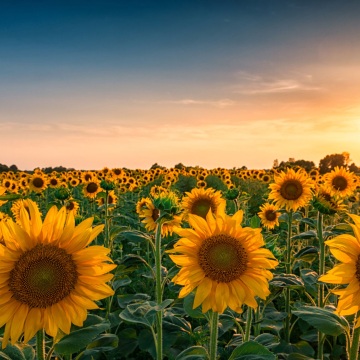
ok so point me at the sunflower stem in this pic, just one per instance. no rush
(248, 324)
(288, 271)
(354, 348)
(214, 328)
(321, 303)
(158, 289)
(40, 345)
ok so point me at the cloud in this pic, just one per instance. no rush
(254, 84)
(221, 103)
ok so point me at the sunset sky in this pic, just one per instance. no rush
(88, 84)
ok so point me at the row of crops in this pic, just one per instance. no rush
(180, 263)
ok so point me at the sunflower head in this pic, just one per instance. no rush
(340, 182)
(269, 215)
(327, 204)
(346, 249)
(53, 278)
(224, 262)
(291, 189)
(200, 201)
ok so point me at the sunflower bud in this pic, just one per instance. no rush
(107, 185)
(232, 194)
(62, 193)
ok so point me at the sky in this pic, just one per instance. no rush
(95, 83)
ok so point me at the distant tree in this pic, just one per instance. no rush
(3, 168)
(355, 169)
(157, 166)
(13, 168)
(59, 169)
(180, 166)
(305, 164)
(329, 162)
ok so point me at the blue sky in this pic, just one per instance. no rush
(88, 84)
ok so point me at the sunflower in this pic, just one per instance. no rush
(223, 261)
(3, 217)
(91, 189)
(291, 189)
(38, 182)
(72, 206)
(327, 204)
(200, 201)
(87, 176)
(49, 279)
(112, 199)
(150, 213)
(2, 192)
(346, 249)
(340, 182)
(23, 204)
(54, 182)
(269, 215)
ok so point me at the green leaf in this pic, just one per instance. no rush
(267, 340)
(297, 356)
(28, 352)
(324, 320)
(4, 356)
(255, 222)
(188, 307)
(311, 234)
(311, 222)
(308, 254)
(128, 341)
(136, 236)
(104, 342)
(287, 280)
(91, 354)
(126, 299)
(193, 353)
(252, 350)
(13, 352)
(143, 313)
(10, 197)
(139, 314)
(79, 339)
(146, 342)
(121, 281)
(310, 278)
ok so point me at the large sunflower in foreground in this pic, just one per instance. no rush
(291, 189)
(346, 249)
(340, 182)
(200, 201)
(2, 192)
(48, 276)
(223, 261)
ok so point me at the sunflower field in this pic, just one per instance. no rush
(180, 264)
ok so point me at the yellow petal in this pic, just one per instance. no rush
(33, 323)
(203, 290)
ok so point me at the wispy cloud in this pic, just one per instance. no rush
(254, 84)
(221, 103)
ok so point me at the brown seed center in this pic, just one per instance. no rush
(38, 182)
(92, 187)
(155, 214)
(43, 276)
(222, 258)
(202, 206)
(291, 189)
(339, 183)
(270, 215)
